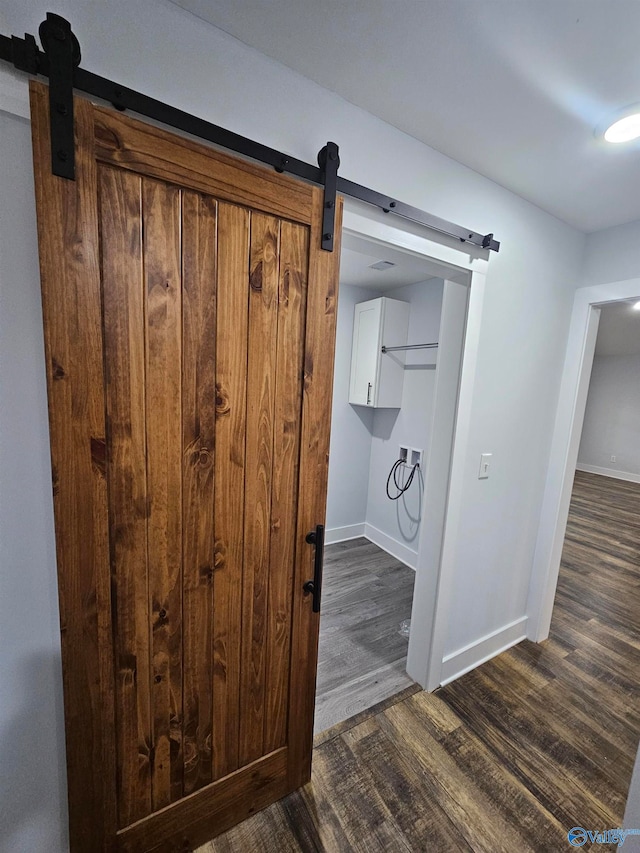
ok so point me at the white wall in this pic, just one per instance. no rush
(351, 430)
(32, 782)
(410, 425)
(162, 50)
(612, 418)
(612, 255)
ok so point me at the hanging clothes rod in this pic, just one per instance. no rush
(410, 346)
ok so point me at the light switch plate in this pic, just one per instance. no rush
(485, 462)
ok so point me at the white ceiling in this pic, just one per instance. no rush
(510, 88)
(356, 258)
(619, 330)
(355, 270)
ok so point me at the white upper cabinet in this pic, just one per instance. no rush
(377, 377)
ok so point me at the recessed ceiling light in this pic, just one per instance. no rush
(624, 130)
(382, 265)
(636, 306)
(620, 126)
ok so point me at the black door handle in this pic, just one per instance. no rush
(316, 537)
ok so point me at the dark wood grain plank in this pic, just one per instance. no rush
(338, 782)
(124, 323)
(198, 442)
(292, 304)
(510, 796)
(71, 299)
(163, 387)
(510, 731)
(187, 823)
(481, 822)
(312, 489)
(402, 787)
(261, 382)
(231, 395)
(131, 144)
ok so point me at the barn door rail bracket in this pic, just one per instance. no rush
(63, 51)
(59, 60)
(329, 162)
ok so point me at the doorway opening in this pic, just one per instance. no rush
(386, 499)
(598, 568)
(565, 446)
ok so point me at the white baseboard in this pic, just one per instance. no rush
(391, 546)
(609, 472)
(471, 656)
(333, 535)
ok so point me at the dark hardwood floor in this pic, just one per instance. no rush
(361, 657)
(512, 755)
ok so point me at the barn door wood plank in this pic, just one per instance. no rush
(70, 281)
(261, 379)
(292, 299)
(314, 462)
(123, 300)
(198, 441)
(163, 351)
(133, 144)
(229, 460)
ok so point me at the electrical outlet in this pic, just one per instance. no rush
(485, 462)
(403, 454)
(613, 458)
(415, 457)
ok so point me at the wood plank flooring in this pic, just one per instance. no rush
(361, 657)
(513, 754)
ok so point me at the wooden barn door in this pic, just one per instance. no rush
(189, 321)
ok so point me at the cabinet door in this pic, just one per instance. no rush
(365, 353)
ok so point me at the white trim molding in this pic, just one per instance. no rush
(14, 93)
(396, 549)
(443, 530)
(333, 535)
(452, 260)
(401, 552)
(609, 472)
(464, 660)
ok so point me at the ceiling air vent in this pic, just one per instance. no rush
(382, 265)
